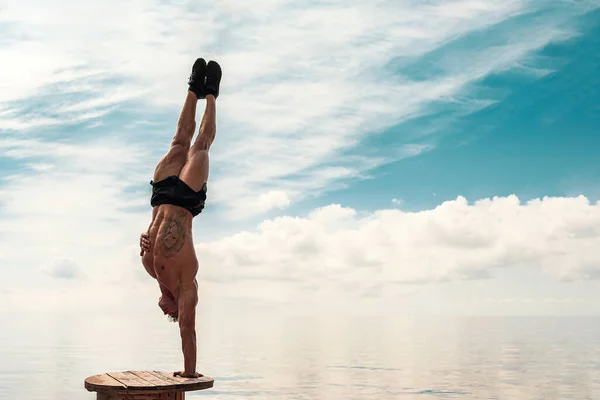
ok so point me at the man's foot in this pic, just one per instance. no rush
(197, 78)
(183, 374)
(213, 78)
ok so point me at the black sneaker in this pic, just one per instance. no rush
(197, 78)
(213, 78)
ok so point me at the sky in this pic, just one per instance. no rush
(406, 157)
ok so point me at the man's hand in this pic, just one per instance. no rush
(144, 243)
(184, 374)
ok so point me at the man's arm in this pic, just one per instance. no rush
(188, 300)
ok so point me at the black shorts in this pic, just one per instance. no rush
(173, 190)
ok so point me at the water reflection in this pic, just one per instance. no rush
(47, 357)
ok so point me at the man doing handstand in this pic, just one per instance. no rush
(178, 195)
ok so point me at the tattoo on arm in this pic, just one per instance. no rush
(173, 236)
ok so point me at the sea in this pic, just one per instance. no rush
(47, 356)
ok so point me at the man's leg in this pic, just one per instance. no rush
(176, 157)
(195, 171)
(172, 162)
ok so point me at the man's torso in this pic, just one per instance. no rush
(172, 249)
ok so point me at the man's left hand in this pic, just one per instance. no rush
(144, 243)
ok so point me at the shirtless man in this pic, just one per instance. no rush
(178, 195)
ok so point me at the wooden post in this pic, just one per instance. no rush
(144, 385)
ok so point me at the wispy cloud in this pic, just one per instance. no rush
(72, 204)
(303, 86)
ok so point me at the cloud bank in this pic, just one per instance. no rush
(340, 250)
(340, 256)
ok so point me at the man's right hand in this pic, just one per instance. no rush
(144, 243)
(184, 374)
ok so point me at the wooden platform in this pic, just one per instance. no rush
(144, 385)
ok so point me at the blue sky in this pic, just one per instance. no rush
(357, 144)
(537, 140)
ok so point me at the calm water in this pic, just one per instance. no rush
(308, 358)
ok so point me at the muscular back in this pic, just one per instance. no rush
(171, 258)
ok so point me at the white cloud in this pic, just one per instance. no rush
(63, 268)
(340, 257)
(300, 92)
(336, 251)
(272, 199)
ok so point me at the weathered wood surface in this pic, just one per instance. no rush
(140, 385)
(141, 396)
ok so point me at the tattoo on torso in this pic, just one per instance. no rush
(173, 236)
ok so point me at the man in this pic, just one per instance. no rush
(178, 195)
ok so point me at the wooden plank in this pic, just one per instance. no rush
(169, 378)
(179, 396)
(204, 382)
(150, 377)
(102, 382)
(131, 381)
